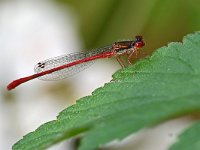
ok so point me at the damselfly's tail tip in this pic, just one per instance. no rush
(11, 86)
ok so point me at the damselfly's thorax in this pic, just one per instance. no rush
(126, 46)
(122, 46)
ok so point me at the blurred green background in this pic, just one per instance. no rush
(159, 21)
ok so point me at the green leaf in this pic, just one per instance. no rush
(163, 86)
(189, 139)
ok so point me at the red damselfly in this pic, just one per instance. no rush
(64, 66)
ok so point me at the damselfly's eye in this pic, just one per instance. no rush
(139, 42)
(138, 38)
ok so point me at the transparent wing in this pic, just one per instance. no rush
(59, 61)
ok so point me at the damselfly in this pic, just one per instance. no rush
(64, 66)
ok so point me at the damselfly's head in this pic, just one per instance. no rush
(138, 42)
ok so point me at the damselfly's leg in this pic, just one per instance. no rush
(117, 56)
(131, 54)
(120, 61)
